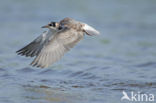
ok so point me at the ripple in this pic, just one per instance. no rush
(147, 64)
(2, 70)
(127, 85)
(92, 68)
(83, 75)
(48, 71)
(26, 70)
(36, 86)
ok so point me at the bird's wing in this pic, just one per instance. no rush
(56, 47)
(33, 48)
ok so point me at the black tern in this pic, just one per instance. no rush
(52, 44)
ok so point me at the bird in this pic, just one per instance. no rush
(52, 44)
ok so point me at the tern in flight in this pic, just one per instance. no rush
(52, 44)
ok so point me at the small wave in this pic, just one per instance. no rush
(26, 70)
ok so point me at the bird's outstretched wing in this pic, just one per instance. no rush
(34, 48)
(56, 47)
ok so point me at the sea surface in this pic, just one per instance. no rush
(98, 69)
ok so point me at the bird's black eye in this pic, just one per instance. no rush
(50, 24)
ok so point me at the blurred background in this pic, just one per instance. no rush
(98, 69)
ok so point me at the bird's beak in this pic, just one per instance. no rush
(46, 26)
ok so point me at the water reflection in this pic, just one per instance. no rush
(45, 94)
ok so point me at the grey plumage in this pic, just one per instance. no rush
(51, 45)
(33, 48)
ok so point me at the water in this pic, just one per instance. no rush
(98, 69)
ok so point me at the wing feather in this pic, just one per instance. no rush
(57, 47)
(34, 48)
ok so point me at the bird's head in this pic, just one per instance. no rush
(52, 26)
